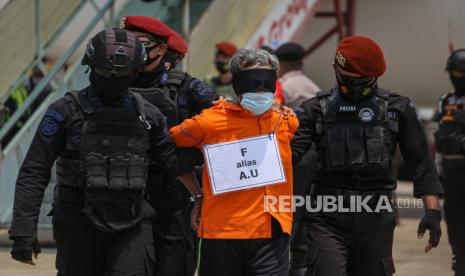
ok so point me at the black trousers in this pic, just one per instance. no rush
(248, 257)
(174, 244)
(350, 244)
(454, 204)
(82, 250)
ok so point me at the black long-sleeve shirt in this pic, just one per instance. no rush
(61, 125)
(410, 138)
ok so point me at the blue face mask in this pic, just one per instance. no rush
(257, 103)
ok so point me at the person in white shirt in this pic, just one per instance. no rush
(296, 86)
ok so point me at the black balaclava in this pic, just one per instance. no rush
(152, 78)
(356, 89)
(109, 90)
(459, 84)
(456, 67)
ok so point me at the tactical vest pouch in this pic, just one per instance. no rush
(113, 153)
(96, 171)
(137, 173)
(375, 145)
(336, 141)
(117, 173)
(68, 172)
(357, 149)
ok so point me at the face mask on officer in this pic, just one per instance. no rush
(355, 88)
(458, 81)
(256, 89)
(155, 49)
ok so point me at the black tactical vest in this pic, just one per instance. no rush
(451, 123)
(355, 137)
(169, 98)
(112, 163)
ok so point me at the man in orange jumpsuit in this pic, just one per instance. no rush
(240, 234)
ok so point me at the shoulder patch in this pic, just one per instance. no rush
(201, 88)
(51, 122)
(49, 126)
(54, 114)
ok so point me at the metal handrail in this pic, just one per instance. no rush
(54, 70)
(41, 50)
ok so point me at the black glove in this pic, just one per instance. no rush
(432, 222)
(23, 247)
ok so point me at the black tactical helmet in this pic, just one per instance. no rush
(456, 61)
(114, 52)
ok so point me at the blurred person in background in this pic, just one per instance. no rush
(356, 127)
(450, 146)
(296, 86)
(19, 95)
(222, 83)
(178, 96)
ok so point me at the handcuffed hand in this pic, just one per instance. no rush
(286, 110)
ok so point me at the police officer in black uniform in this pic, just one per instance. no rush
(450, 145)
(356, 127)
(104, 138)
(178, 96)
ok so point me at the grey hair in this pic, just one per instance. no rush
(248, 57)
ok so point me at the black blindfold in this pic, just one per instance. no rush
(253, 80)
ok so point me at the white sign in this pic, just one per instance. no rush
(244, 164)
(286, 21)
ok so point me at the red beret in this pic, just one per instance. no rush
(360, 55)
(226, 48)
(147, 24)
(177, 44)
